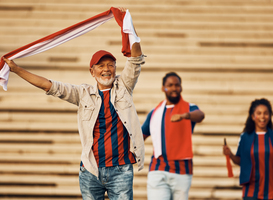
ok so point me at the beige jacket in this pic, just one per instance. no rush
(88, 100)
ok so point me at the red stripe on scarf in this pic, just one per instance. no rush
(118, 17)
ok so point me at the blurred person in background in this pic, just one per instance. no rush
(255, 152)
(171, 126)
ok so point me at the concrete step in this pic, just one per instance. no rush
(46, 180)
(205, 194)
(212, 172)
(29, 117)
(48, 126)
(185, 6)
(63, 12)
(51, 149)
(219, 37)
(40, 137)
(39, 158)
(214, 140)
(38, 191)
(141, 2)
(147, 24)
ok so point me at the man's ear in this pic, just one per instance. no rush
(92, 71)
(163, 88)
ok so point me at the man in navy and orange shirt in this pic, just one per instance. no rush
(170, 126)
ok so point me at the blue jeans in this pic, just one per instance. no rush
(117, 181)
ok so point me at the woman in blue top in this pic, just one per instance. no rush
(255, 153)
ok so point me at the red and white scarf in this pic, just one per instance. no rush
(123, 19)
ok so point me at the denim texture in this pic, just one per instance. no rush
(117, 181)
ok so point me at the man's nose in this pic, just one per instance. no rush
(106, 68)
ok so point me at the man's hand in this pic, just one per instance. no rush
(136, 48)
(179, 117)
(13, 67)
(122, 9)
(33, 79)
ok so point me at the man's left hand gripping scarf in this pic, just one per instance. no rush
(123, 19)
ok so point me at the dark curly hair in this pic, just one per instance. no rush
(168, 75)
(250, 124)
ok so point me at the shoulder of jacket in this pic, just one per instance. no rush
(90, 88)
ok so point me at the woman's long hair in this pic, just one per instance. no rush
(250, 124)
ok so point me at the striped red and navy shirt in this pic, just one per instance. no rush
(111, 145)
(162, 163)
(261, 180)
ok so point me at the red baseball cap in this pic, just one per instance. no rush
(98, 55)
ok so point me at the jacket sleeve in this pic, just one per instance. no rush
(65, 91)
(131, 72)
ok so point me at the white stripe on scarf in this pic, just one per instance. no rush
(155, 129)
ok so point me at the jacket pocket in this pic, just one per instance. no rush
(87, 112)
(123, 100)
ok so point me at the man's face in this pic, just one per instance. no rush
(104, 72)
(172, 89)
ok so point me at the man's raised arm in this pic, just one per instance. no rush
(33, 79)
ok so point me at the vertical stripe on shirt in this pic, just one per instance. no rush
(111, 145)
(266, 166)
(108, 138)
(166, 116)
(257, 166)
(261, 162)
(270, 173)
(102, 131)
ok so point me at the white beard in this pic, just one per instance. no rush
(105, 82)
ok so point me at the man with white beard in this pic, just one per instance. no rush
(109, 127)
